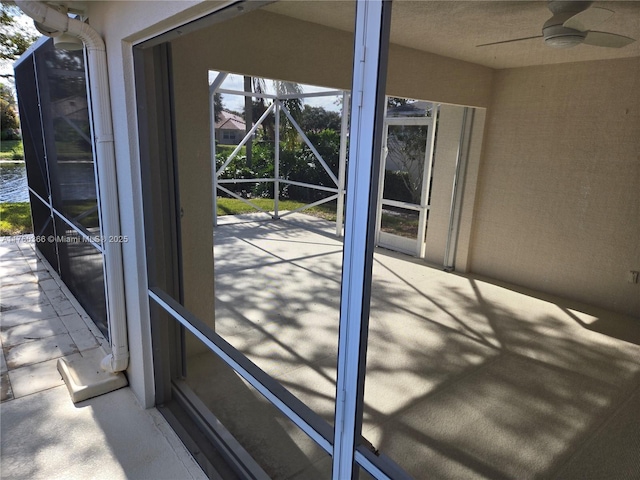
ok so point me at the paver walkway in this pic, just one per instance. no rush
(43, 435)
(41, 321)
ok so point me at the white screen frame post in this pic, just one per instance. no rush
(371, 45)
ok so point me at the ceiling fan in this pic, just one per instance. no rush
(571, 24)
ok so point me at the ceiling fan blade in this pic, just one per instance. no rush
(509, 41)
(588, 19)
(603, 39)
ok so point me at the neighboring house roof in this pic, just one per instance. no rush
(418, 108)
(230, 121)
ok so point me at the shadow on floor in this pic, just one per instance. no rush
(466, 377)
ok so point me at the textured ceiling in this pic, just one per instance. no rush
(454, 28)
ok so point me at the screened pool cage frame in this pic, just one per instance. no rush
(337, 191)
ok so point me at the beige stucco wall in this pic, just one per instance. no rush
(275, 46)
(558, 203)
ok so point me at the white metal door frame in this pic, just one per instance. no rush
(387, 240)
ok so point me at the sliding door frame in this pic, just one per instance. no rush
(344, 443)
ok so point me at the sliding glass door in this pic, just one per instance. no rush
(259, 332)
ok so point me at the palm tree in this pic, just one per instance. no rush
(294, 105)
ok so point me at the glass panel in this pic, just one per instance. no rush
(510, 376)
(269, 287)
(400, 221)
(272, 440)
(277, 292)
(318, 117)
(405, 161)
(55, 120)
(277, 282)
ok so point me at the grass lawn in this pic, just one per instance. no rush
(403, 225)
(15, 218)
(398, 224)
(11, 150)
(233, 206)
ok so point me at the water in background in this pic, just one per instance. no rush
(13, 183)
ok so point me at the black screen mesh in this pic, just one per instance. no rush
(56, 131)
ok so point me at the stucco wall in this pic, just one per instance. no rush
(558, 205)
(275, 46)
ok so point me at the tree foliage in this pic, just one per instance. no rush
(217, 106)
(9, 124)
(406, 152)
(14, 39)
(317, 119)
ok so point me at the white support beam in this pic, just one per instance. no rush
(310, 185)
(342, 163)
(247, 94)
(426, 183)
(309, 205)
(276, 163)
(330, 93)
(213, 87)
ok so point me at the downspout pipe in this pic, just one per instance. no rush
(55, 23)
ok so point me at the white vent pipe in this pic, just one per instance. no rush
(54, 23)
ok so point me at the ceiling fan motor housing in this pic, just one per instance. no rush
(558, 36)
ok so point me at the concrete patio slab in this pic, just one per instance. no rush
(34, 300)
(45, 435)
(466, 377)
(6, 391)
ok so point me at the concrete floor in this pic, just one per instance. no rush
(466, 378)
(43, 435)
